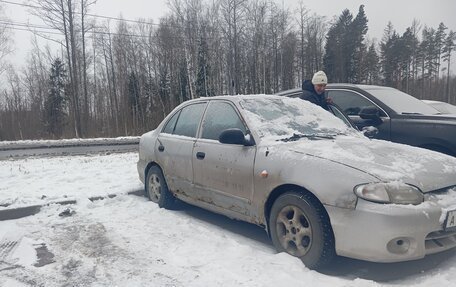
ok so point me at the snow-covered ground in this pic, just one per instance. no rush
(128, 241)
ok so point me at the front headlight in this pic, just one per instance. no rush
(390, 192)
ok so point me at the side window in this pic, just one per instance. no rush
(220, 116)
(189, 119)
(351, 103)
(340, 115)
(169, 127)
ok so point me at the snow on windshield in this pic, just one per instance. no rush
(444, 108)
(279, 117)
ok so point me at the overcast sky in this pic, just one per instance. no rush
(400, 12)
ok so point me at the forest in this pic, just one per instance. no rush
(120, 77)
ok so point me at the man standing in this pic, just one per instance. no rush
(314, 91)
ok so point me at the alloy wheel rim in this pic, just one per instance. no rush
(154, 188)
(294, 231)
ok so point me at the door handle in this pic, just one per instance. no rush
(200, 155)
(161, 148)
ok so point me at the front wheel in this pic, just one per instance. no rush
(300, 226)
(157, 189)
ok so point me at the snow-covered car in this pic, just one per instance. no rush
(444, 108)
(319, 187)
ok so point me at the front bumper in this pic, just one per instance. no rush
(390, 233)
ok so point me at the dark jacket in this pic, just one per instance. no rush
(309, 94)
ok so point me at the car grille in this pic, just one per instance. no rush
(439, 241)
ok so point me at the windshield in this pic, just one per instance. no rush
(401, 102)
(442, 107)
(279, 118)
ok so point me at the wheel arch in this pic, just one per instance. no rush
(278, 191)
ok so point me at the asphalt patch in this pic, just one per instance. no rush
(44, 256)
(20, 212)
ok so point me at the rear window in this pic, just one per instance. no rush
(188, 120)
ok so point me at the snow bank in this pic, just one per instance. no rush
(5, 145)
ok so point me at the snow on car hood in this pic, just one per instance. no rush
(387, 161)
(306, 128)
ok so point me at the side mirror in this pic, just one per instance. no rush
(371, 113)
(370, 131)
(235, 136)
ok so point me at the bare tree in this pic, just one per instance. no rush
(60, 14)
(448, 49)
(113, 109)
(302, 20)
(16, 104)
(233, 15)
(85, 4)
(5, 43)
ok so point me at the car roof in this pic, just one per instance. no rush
(286, 92)
(359, 86)
(337, 86)
(231, 97)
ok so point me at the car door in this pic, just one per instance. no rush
(337, 111)
(174, 147)
(352, 103)
(223, 173)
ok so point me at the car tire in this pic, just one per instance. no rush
(157, 189)
(300, 226)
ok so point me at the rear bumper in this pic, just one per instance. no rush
(141, 167)
(390, 233)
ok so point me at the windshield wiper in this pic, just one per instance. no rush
(297, 136)
(410, 113)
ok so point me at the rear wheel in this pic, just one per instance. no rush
(157, 189)
(300, 226)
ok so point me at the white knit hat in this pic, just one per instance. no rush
(319, 78)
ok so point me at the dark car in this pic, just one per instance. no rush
(399, 117)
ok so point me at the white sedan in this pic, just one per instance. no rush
(317, 186)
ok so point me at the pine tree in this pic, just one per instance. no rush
(439, 45)
(372, 66)
(407, 44)
(428, 46)
(448, 49)
(389, 56)
(357, 48)
(345, 48)
(337, 48)
(55, 104)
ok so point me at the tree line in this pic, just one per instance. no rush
(121, 77)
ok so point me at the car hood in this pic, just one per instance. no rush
(384, 160)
